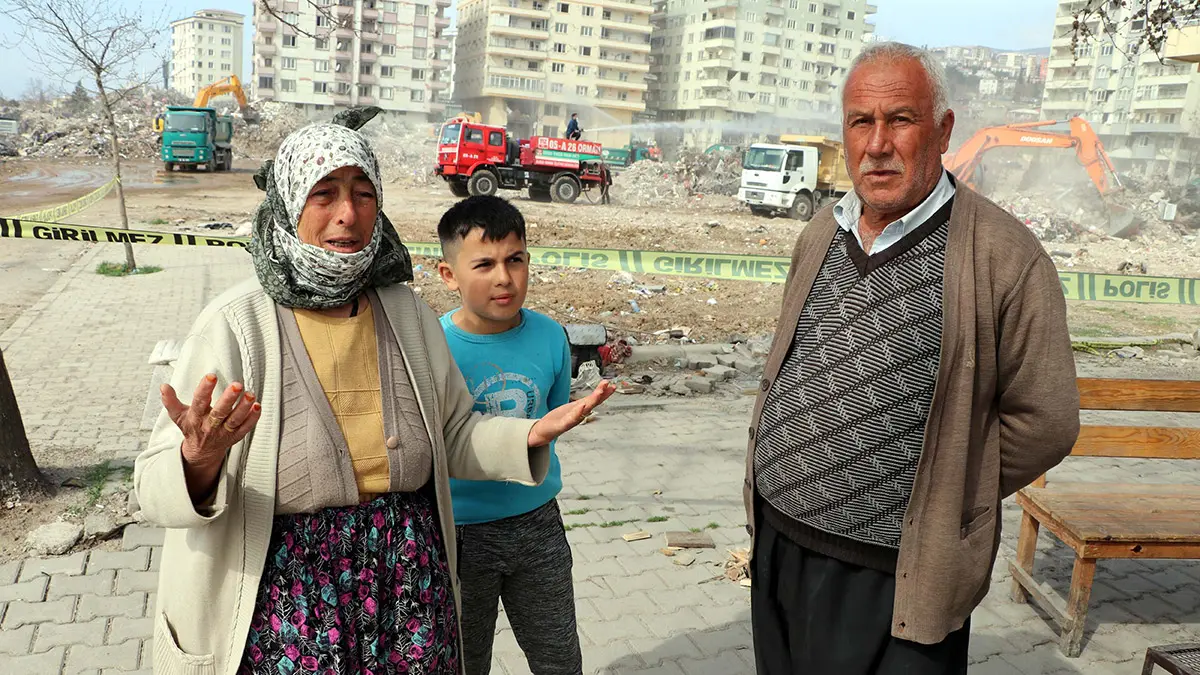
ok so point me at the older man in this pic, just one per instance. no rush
(921, 373)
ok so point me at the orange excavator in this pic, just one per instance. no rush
(228, 85)
(965, 162)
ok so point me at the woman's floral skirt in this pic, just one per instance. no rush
(359, 590)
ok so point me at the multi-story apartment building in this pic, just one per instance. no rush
(1144, 109)
(205, 47)
(732, 71)
(392, 54)
(529, 64)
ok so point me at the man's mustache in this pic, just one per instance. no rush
(893, 164)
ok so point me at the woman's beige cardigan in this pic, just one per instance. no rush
(213, 556)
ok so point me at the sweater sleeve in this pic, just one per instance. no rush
(478, 447)
(158, 472)
(1038, 398)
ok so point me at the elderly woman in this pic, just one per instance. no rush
(308, 503)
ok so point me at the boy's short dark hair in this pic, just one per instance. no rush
(494, 215)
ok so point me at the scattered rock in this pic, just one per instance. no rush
(1128, 353)
(636, 536)
(702, 362)
(720, 372)
(680, 389)
(689, 540)
(727, 360)
(683, 559)
(54, 538)
(100, 526)
(700, 385)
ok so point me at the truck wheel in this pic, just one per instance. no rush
(483, 183)
(564, 189)
(168, 166)
(539, 193)
(802, 207)
(760, 211)
(458, 188)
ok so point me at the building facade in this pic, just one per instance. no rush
(1145, 110)
(391, 54)
(205, 47)
(529, 64)
(734, 71)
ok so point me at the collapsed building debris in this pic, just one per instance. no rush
(694, 174)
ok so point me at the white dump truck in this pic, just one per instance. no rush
(793, 177)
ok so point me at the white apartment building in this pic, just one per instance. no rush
(392, 54)
(205, 48)
(529, 64)
(734, 71)
(1144, 110)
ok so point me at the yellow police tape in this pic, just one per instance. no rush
(57, 213)
(732, 267)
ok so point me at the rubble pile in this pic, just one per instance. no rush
(694, 174)
(57, 131)
(407, 154)
(262, 139)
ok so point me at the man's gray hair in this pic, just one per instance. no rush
(890, 52)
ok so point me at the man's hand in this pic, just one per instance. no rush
(566, 417)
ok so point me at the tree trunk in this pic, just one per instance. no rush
(19, 474)
(115, 144)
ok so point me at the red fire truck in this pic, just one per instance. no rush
(479, 159)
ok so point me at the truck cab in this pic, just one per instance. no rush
(793, 177)
(196, 137)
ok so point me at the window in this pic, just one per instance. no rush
(228, 29)
(418, 53)
(364, 90)
(322, 21)
(1137, 24)
(366, 48)
(846, 53)
(387, 71)
(744, 76)
(560, 28)
(418, 74)
(422, 10)
(321, 66)
(533, 65)
(560, 48)
(226, 41)
(791, 24)
(747, 36)
(586, 31)
(364, 69)
(267, 63)
(210, 52)
(812, 7)
(556, 87)
(287, 63)
(417, 96)
(586, 51)
(849, 35)
(266, 82)
(226, 67)
(810, 27)
(746, 57)
(751, 16)
(550, 131)
(789, 44)
(581, 70)
(1106, 50)
(564, 7)
(390, 50)
(764, 99)
(551, 109)
(421, 32)
(289, 40)
(787, 64)
(387, 93)
(581, 90)
(320, 87)
(850, 15)
(589, 11)
(558, 67)
(287, 85)
(606, 15)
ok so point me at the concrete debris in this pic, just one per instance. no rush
(689, 540)
(693, 175)
(54, 538)
(700, 385)
(100, 526)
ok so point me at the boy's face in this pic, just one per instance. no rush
(491, 277)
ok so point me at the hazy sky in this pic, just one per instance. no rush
(1021, 24)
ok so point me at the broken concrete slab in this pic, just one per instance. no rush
(54, 538)
(719, 372)
(701, 385)
(677, 539)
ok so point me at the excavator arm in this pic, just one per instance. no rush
(1088, 149)
(228, 85)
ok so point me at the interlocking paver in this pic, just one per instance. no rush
(124, 656)
(138, 535)
(35, 664)
(38, 567)
(131, 580)
(138, 560)
(131, 606)
(20, 613)
(52, 635)
(725, 663)
(17, 641)
(9, 572)
(121, 629)
(33, 590)
(100, 583)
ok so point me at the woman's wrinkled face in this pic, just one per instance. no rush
(339, 214)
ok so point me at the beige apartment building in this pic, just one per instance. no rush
(392, 54)
(1144, 110)
(205, 48)
(529, 64)
(736, 71)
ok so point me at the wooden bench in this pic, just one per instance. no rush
(1103, 520)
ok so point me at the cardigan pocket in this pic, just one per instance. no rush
(169, 659)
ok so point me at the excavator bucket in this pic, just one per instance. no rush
(1122, 221)
(251, 115)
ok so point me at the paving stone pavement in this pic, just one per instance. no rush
(660, 465)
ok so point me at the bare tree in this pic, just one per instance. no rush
(1157, 19)
(104, 40)
(37, 93)
(19, 474)
(324, 11)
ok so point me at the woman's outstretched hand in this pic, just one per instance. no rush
(210, 429)
(566, 417)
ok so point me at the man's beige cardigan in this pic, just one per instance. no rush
(213, 556)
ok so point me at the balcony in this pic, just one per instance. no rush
(516, 31)
(1157, 128)
(775, 7)
(343, 10)
(871, 8)
(719, 4)
(370, 12)
(344, 33)
(631, 6)
(618, 104)
(1069, 84)
(527, 12)
(437, 63)
(368, 57)
(438, 85)
(1159, 103)
(636, 47)
(266, 25)
(266, 94)
(643, 28)
(627, 85)
(1139, 152)
(344, 76)
(265, 50)
(631, 66)
(713, 102)
(370, 36)
(501, 49)
(500, 69)
(1172, 79)
(717, 64)
(367, 79)
(441, 21)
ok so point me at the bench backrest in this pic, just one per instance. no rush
(1138, 441)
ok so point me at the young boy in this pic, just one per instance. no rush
(511, 542)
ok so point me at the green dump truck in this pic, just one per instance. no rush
(196, 137)
(634, 152)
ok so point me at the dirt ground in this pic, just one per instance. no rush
(712, 310)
